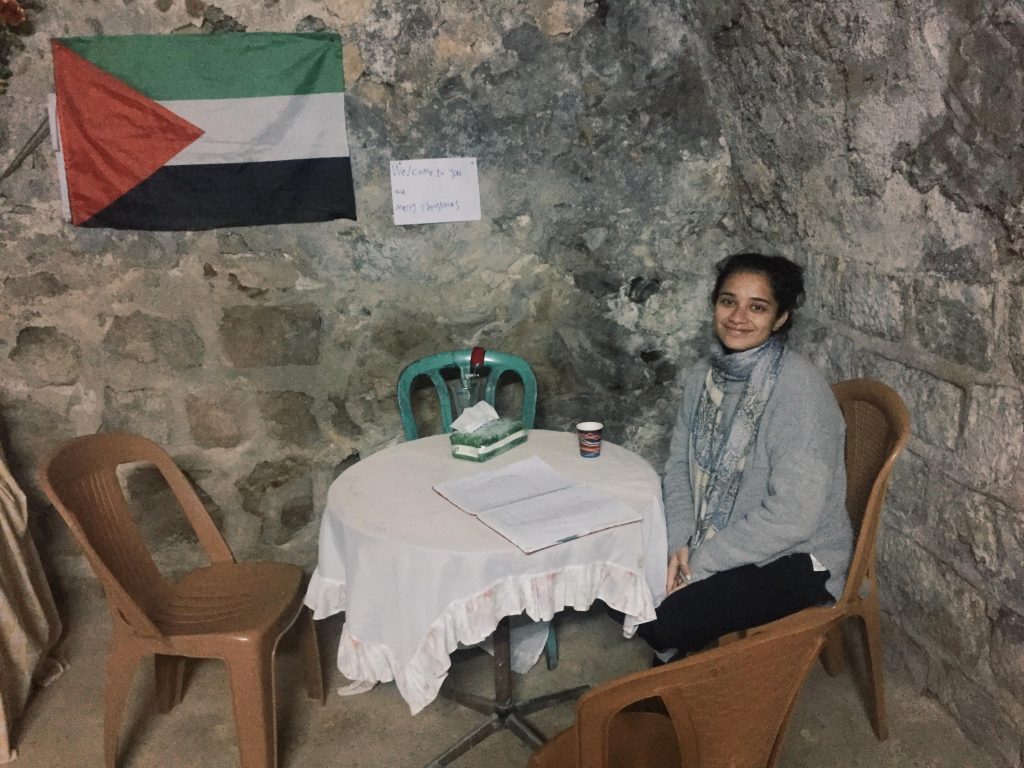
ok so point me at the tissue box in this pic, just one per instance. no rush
(490, 440)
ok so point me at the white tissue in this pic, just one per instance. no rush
(475, 417)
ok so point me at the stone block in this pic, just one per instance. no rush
(905, 653)
(255, 276)
(296, 514)
(45, 356)
(254, 337)
(234, 243)
(349, 461)
(989, 82)
(38, 285)
(967, 528)
(143, 412)
(822, 282)
(906, 511)
(872, 302)
(280, 494)
(955, 321)
(526, 41)
(935, 405)
(1015, 328)
(156, 511)
(341, 419)
(993, 435)
(979, 713)
(156, 251)
(1010, 525)
(219, 420)
(34, 426)
(290, 417)
(154, 340)
(935, 604)
(831, 352)
(1006, 656)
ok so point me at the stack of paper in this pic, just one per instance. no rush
(533, 506)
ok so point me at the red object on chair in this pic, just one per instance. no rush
(476, 359)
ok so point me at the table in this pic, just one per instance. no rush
(417, 576)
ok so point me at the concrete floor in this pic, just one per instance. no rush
(64, 724)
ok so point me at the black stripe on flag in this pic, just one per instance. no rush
(181, 197)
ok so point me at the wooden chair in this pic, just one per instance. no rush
(227, 610)
(877, 429)
(727, 707)
(497, 364)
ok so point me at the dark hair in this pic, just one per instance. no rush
(785, 277)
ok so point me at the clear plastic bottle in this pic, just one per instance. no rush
(468, 390)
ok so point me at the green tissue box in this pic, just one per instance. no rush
(490, 440)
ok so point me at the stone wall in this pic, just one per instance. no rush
(623, 147)
(880, 143)
(265, 358)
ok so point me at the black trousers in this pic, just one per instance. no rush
(692, 617)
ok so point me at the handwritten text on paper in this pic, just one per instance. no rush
(435, 190)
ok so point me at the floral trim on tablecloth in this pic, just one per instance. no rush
(470, 621)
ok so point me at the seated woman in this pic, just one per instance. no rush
(755, 482)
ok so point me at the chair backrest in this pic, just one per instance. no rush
(729, 706)
(80, 479)
(877, 429)
(497, 364)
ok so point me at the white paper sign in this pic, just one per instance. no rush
(437, 190)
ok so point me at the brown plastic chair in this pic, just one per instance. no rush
(877, 429)
(227, 610)
(723, 708)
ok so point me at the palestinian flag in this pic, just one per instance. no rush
(201, 131)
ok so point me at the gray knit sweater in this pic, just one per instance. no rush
(792, 494)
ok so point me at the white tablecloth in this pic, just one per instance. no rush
(417, 576)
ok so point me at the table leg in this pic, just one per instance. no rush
(503, 662)
(504, 711)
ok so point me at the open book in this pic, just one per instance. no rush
(533, 506)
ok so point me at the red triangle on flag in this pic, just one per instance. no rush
(112, 136)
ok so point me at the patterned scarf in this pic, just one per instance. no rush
(718, 452)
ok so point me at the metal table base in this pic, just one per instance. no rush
(504, 711)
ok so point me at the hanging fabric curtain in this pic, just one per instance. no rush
(29, 624)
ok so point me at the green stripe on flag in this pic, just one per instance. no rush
(236, 65)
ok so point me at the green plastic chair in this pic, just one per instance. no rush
(497, 365)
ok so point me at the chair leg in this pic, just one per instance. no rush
(871, 628)
(121, 664)
(252, 695)
(309, 648)
(170, 681)
(832, 655)
(551, 646)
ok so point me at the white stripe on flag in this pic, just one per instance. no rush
(263, 129)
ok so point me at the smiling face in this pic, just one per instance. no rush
(746, 312)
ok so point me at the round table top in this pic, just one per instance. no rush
(389, 494)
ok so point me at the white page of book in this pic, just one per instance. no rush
(543, 521)
(486, 490)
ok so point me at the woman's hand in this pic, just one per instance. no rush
(678, 570)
